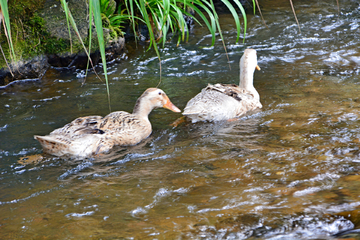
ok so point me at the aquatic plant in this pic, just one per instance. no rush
(112, 18)
(4, 18)
(164, 16)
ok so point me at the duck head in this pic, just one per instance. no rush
(153, 98)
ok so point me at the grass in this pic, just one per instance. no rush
(164, 16)
(167, 16)
(112, 18)
(4, 18)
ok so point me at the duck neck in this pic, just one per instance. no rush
(141, 109)
(247, 80)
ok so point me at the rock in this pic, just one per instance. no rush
(55, 19)
(114, 49)
(56, 24)
(67, 60)
(34, 68)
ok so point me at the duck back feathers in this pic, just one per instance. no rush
(220, 102)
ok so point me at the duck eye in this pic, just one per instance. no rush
(159, 93)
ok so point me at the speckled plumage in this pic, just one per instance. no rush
(226, 101)
(88, 136)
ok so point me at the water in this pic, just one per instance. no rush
(288, 171)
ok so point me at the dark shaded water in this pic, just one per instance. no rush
(289, 171)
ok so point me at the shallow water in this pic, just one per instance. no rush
(287, 171)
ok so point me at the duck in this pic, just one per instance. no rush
(220, 102)
(93, 135)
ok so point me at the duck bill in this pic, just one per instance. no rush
(169, 105)
(258, 68)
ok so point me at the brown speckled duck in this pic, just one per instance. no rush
(92, 135)
(227, 101)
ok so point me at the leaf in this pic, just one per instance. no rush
(100, 34)
(5, 13)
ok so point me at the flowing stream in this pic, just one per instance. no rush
(287, 171)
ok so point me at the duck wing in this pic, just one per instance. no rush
(219, 102)
(125, 128)
(80, 126)
(231, 90)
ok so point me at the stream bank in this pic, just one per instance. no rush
(43, 41)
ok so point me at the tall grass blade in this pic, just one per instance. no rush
(292, 7)
(220, 32)
(90, 38)
(236, 16)
(7, 64)
(244, 17)
(146, 19)
(100, 34)
(129, 4)
(7, 29)
(70, 19)
(212, 27)
(73, 24)
(182, 25)
(258, 6)
(66, 10)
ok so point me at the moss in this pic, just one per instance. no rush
(36, 40)
(29, 34)
(39, 27)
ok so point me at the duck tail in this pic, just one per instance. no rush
(50, 144)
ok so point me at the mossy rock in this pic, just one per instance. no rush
(55, 18)
(42, 38)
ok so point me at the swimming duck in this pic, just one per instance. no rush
(227, 101)
(92, 135)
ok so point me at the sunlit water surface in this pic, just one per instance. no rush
(288, 171)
